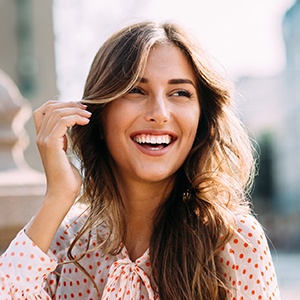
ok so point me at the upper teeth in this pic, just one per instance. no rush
(153, 139)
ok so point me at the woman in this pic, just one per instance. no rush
(165, 170)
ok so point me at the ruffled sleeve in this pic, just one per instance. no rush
(23, 270)
(247, 263)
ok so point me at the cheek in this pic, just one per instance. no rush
(112, 136)
(191, 121)
(191, 131)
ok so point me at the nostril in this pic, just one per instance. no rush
(157, 110)
(158, 118)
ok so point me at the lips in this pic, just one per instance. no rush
(153, 142)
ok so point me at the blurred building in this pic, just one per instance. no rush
(27, 65)
(289, 138)
(27, 55)
(271, 109)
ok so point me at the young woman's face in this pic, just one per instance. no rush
(150, 131)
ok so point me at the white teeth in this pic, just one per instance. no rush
(153, 139)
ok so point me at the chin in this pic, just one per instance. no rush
(156, 177)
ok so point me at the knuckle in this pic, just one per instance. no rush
(47, 142)
(40, 143)
(63, 121)
(56, 113)
(51, 103)
(43, 142)
(38, 140)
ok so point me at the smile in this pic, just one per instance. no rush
(153, 142)
(153, 139)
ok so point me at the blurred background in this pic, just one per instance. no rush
(45, 53)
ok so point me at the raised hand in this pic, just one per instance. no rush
(52, 121)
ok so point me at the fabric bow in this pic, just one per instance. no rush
(129, 280)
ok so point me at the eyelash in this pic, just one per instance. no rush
(180, 93)
(184, 93)
(136, 90)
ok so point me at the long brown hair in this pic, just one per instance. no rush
(211, 186)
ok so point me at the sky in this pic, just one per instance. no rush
(244, 36)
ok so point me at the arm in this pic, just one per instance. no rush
(25, 265)
(52, 121)
(23, 269)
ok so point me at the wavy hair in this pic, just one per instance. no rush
(212, 185)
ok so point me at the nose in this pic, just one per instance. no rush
(158, 109)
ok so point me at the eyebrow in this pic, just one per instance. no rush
(172, 81)
(181, 81)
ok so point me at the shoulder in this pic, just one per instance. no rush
(247, 261)
(249, 229)
(248, 236)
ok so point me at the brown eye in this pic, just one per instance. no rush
(182, 93)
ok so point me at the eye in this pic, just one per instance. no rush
(136, 90)
(183, 93)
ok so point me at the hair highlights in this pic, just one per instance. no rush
(210, 187)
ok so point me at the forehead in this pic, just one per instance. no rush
(167, 60)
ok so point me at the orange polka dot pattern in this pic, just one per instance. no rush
(28, 273)
(247, 263)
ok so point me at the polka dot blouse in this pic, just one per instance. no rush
(26, 272)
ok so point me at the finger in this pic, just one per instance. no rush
(53, 117)
(47, 108)
(39, 113)
(53, 135)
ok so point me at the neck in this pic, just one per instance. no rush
(141, 201)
